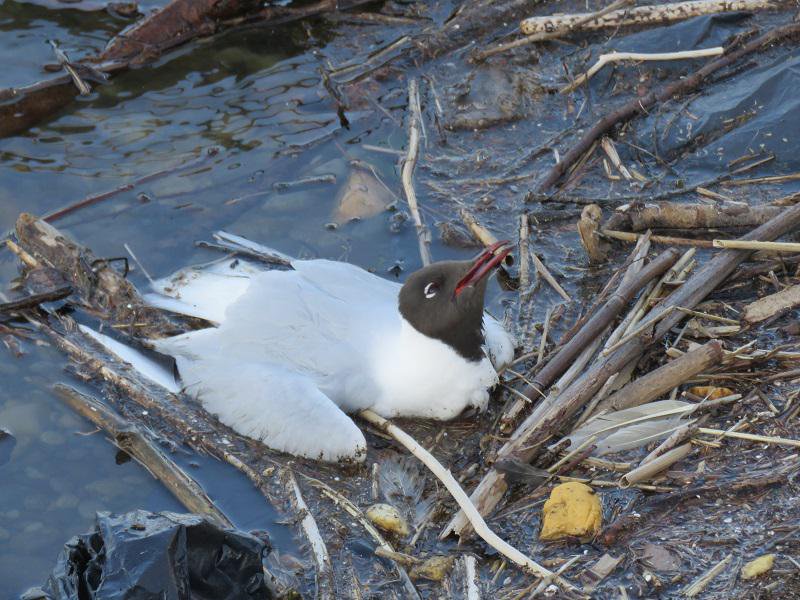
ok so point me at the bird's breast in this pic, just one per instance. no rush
(419, 376)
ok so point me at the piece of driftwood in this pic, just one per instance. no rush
(792, 247)
(588, 228)
(612, 57)
(642, 104)
(647, 471)
(544, 36)
(478, 231)
(696, 588)
(661, 380)
(763, 308)
(132, 440)
(526, 441)
(627, 236)
(657, 14)
(35, 300)
(675, 438)
(599, 321)
(672, 215)
(326, 588)
(407, 174)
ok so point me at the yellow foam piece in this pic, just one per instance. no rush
(572, 510)
(758, 566)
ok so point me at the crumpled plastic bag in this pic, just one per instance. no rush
(158, 556)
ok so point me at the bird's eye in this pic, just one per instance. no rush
(430, 290)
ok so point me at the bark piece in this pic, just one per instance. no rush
(657, 14)
(765, 307)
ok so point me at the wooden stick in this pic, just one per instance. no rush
(752, 437)
(35, 300)
(326, 588)
(643, 15)
(524, 263)
(642, 104)
(626, 236)
(463, 501)
(675, 438)
(612, 57)
(414, 120)
(698, 585)
(754, 245)
(551, 35)
(646, 471)
(671, 215)
(483, 235)
(526, 441)
(130, 439)
(548, 277)
(765, 307)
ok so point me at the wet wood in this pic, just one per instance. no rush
(657, 14)
(764, 308)
(93, 278)
(544, 36)
(612, 57)
(35, 300)
(660, 381)
(407, 174)
(131, 439)
(671, 215)
(588, 230)
(646, 471)
(643, 104)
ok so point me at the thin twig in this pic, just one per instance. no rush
(463, 501)
(611, 57)
(414, 120)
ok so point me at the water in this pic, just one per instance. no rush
(257, 100)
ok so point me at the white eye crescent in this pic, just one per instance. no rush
(430, 290)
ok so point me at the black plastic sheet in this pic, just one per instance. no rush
(158, 556)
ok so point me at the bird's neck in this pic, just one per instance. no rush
(467, 342)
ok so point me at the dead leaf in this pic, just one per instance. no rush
(712, 392)
(659, 558)
(362, 196)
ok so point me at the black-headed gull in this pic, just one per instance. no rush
(295, 350)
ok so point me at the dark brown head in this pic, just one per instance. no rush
(445, 300)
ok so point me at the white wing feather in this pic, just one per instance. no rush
(632, 427)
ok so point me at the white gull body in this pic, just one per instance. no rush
(294, 350)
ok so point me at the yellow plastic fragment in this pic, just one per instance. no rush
(388, 518)
(572, 510)
(757, 567)
(711, 391)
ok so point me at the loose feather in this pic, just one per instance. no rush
(632, 427)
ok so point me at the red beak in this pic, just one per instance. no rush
(484, 264)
